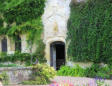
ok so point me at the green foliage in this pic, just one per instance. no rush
(100, 82)
(91, 71)
(22, 17)
(21, 10)
(76, 71)
(44, 70)
(97, 71)
(64, 71)
(40, 81)
(22, 57)
(42, 73)
(40, 52)
(4, 77)
(90, 31)
(8, 65)
(27, 10)
(94, 71)
(1, 22)
(1, 77)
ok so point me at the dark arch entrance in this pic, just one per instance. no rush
(57, 52)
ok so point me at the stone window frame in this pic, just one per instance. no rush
(19, 44)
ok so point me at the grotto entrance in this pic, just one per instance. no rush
(57, 54)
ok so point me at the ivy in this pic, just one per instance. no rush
(27, 10)
(1, 23)
(22, 16)
(90, 31)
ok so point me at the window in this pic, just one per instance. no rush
(18, 44)
(4, 45)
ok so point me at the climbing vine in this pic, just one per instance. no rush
(21, 16)
(90, 31)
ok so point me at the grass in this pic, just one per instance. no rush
(8, 65)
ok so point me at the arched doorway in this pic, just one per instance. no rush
(57, 52)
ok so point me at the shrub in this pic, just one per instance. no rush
(94, 71)
(91, 71)
(71, 71)
(42, 73)
(64, 71)
(4, 78)
(22, 57)
(97, 71)
(1, 77)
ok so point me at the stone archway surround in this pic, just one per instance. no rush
(55, 17)
(48, 42)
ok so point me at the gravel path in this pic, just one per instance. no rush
(78, 81)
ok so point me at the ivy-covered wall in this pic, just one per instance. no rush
(21, 16)
(90, 31)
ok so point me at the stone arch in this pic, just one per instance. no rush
(48, 43)
(57, 54)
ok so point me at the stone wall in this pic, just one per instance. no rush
(55, 17)
(24, 44)
(81, 64)
(11, 44)
(17, 74)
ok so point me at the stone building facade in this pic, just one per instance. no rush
(55, 17)
(8, 45)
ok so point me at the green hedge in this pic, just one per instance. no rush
(22, 57)
(90, 31)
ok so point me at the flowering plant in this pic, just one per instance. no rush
(96, 82)
(61, 84)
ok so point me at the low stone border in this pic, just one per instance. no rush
(14, 68)
(17, 74)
